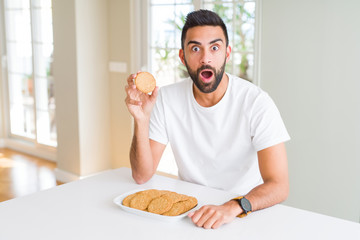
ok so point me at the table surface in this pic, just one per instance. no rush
(84, 209)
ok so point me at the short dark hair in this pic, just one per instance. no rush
(203, 17)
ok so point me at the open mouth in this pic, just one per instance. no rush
(206, 75)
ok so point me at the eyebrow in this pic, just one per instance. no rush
(199, 43)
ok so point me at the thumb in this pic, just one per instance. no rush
(155, 93)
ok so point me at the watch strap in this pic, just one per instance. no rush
(244, 214)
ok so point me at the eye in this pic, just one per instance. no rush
(215, 48)
(195, 49)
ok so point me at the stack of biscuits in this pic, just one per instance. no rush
(161, 202)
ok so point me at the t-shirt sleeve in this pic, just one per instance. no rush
(157, 128)
(267, 126)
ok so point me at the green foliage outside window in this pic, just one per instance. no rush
(239, 39)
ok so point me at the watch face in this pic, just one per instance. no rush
(245, 204)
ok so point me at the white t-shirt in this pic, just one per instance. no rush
(217, 146)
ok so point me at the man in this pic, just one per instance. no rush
(225, 132)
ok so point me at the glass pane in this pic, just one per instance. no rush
(19, 58)
(226, 12)
(162, 26)
(43, 59)
(181, 71)
(11, 4)
(20, 88)
(18, 26)
(46, 127)
(245, 30)
(162, 2)
(43, 31)
(243, 65)
(45, 110)
(21, 105)
(163, 65)
(41, 3)
(22, 120)
(180, 14)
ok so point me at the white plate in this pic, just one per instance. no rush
(118, 201)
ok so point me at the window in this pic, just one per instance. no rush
(29, 51)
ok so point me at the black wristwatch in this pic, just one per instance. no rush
(245, 206)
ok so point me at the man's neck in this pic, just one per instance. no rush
(211, 99)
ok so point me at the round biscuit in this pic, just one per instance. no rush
(140, 201)
(175, 197)
(127, 199)
(145, 82)
(176, 209)
(160, 205)
(190, 203)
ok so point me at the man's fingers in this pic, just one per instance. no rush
(217, 224)
(202, 215)
(155, 93)
(130, 101)
(210, 222)
(197, 215)
(130, 79)
(206, 216)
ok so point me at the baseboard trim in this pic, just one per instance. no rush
(65, 177)
(44, 152)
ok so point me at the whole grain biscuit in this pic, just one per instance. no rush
(140, 201)
(190, 203)
(184, 197)
(160, 204)
(126, 200)
(153, 193)
(175, 197)
(145, 82)
(176, 209)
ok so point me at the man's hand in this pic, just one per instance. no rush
(211, 216)
(139, 104)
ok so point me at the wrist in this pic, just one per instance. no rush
(141, 122)
(234, 207)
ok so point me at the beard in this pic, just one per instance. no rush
(210, 86)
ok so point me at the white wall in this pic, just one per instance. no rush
(82, 87)
(93, 85)
(310, 63)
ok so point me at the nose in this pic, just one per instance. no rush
(205, 57)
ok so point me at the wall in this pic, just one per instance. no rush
(310, 59)
(65, 75)
(93, 85)
(82, 87)
(119, 18)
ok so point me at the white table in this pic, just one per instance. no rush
(85, 210)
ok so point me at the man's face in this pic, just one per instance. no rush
(205, 55)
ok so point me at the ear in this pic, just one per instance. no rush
(228, 51)
(181, 56)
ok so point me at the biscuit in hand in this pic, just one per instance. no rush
(145, 82)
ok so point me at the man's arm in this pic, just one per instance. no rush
(274, 171)
(145, 154)
(275, 189)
